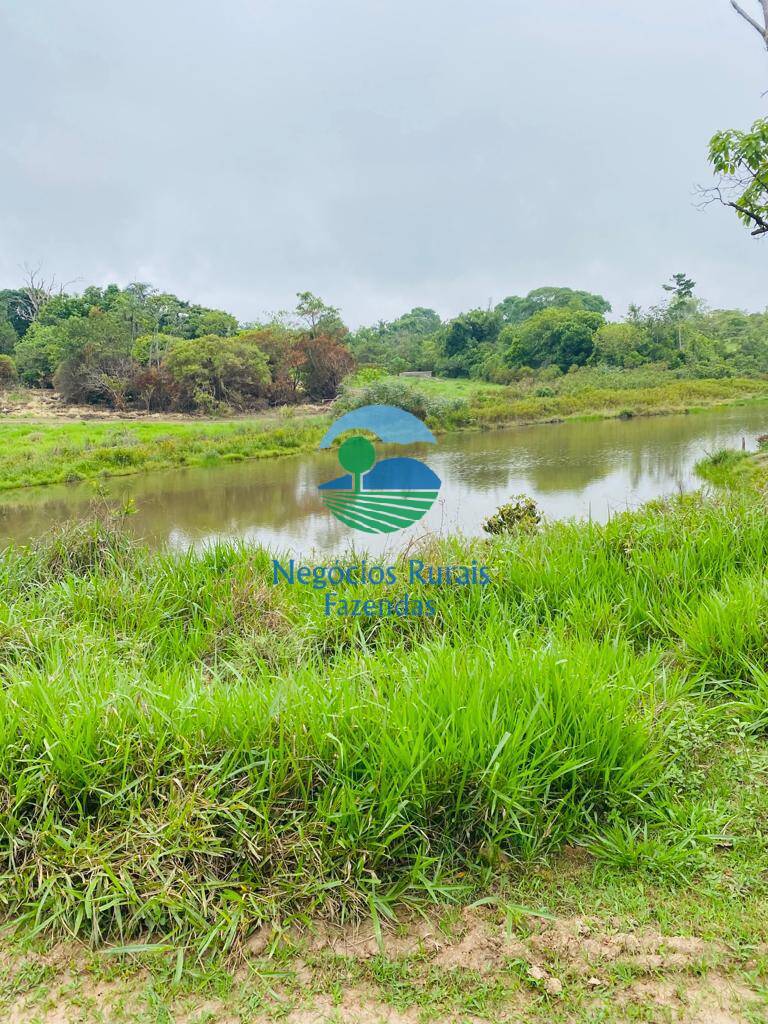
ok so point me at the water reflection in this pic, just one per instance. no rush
(572, 469)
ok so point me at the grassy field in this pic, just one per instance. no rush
(189, 753)
(54, 450)
(57, 451)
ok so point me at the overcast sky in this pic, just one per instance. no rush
(382, 154)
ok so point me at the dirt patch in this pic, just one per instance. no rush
(43, 404)
(477, 941)
(578, 966)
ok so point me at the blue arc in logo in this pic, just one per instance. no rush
(379, 497)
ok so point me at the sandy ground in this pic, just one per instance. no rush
(567, 969)
(39, 404)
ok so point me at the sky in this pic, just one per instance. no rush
(442, 153)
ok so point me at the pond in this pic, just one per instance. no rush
(581, 469)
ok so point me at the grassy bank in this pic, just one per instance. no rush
(187, 751)
(736, 470)
(56, 451)
(61, 452)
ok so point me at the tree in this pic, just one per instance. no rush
(555, 336)
(212, 369)
(317, 318)
(11, 309)
(154, 385)
(8, 373)
(740, 159)
(96, 357)
(8, 337)
(36, 291)
(515, 310)
(618, 345)
(762, 30)
(682, 286)
(38, 354)
(466, 340)
(276, 341)
(205, 322)
(407, 343)
(320, 364)
(150, 349)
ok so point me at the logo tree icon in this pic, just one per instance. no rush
(357, 455)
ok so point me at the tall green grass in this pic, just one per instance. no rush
(186, 750)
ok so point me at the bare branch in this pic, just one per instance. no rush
(761, 29)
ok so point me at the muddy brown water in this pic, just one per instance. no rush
(572, 469)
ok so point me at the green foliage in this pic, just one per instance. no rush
(212, 370)
(111, 344)
(407, 343)
(8, 337)
(519, 514)
(560, 336)
(514, 310)
(95, 361)
(740, 158)
(213, 322)
(317, 318)
(618, 345)
(466, 339)
(435, 409)
(13, 309)
(134, 345)
(37, 355)
(8, 374)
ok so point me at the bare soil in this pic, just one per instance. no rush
(43, 404)
(565, 969)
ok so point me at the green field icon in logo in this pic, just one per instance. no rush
(379, 497)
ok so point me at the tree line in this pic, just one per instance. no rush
(551, 331)
(137, 347)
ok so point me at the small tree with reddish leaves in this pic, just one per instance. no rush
(320, 364)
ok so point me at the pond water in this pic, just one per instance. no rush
(572, 469)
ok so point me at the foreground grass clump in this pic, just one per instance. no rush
(186, 750)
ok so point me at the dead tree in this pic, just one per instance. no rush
(36, 291)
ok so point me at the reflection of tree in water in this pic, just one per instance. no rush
(569, 457)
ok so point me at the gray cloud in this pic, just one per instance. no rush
(382, 154)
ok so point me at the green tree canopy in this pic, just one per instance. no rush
(555, 336)
(515, 310)
(466, 340)
(213, 369)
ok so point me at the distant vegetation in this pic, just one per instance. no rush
(135, 347)
(138, 348)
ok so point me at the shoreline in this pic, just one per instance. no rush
(134, 445)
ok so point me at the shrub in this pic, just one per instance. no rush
(211, 370)
(519, 514)
(389, 391)
(8, 374)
